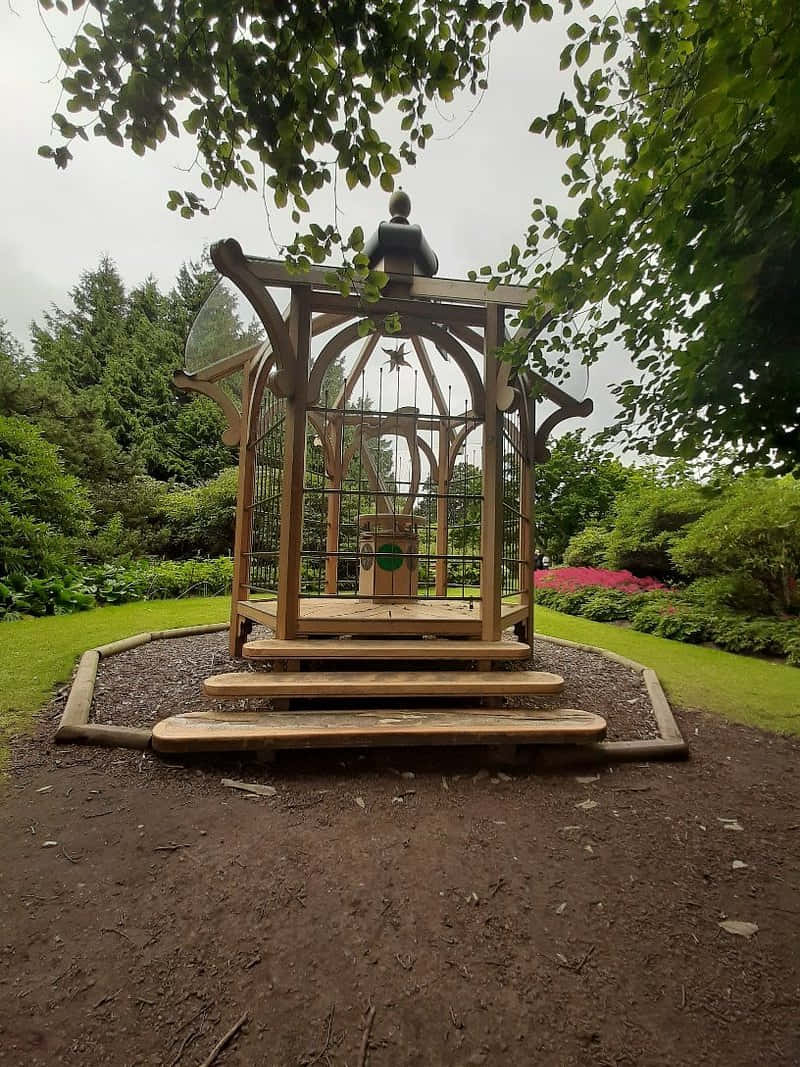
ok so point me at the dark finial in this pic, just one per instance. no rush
(399, 206)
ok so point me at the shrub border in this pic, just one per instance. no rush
(75, 725)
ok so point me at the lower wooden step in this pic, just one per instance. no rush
(211, 732)
(352, 649)
(369, 684)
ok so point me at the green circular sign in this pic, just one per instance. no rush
(389, 557)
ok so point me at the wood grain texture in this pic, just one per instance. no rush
(349, 649)
(326, 684)
(357, 615)
(79, 701)
(207, 731)
(492, 507)
(291, 525)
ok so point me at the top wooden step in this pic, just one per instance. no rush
(350, 649)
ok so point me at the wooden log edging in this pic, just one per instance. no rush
(669, 745)
(75, 725)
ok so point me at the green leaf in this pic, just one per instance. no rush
(575, 31)
(582, 53)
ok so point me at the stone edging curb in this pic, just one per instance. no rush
(75, 725)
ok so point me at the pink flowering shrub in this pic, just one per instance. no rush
(570, 579)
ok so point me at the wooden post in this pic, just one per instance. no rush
(527, 545)
(441, 508)
(291, 535)
(492, 509)
(334, 518)
(240, 588)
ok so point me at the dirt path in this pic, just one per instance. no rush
(488, 921)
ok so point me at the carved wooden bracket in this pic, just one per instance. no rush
(233, 417)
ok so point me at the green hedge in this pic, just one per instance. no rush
(77, 590)
(667, 615)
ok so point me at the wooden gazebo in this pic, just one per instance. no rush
(384, 511)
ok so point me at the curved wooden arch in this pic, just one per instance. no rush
(459, 438)
(414, 443)
(329, 354)
(411, 327)
(430, 455)
(328, 449)
(228, 258)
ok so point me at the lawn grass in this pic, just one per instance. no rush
(747, 690)
(36, 655)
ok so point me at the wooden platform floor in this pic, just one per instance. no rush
(442, 649)
(314, 685)
(211, 732)
(358, 615)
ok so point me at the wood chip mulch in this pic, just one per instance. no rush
(150, 683)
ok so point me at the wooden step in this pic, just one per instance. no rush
(211, 732)
(370, 684)
(351, 649)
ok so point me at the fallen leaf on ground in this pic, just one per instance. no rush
(360, 801)
(561, 908)
(741, 929)
(251, 787)
(731, 824)
(586, 805)
(738, 865)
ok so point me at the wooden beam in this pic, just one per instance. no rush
(431, 311)
(334, 517)
(492, 510)
(441, 512)
(228, 258)
(468, 336)
(322, 323)
(274, 272)
(221, 368)
(364, 357)
(527, 545)
(430, 377)
(243, 526)
(291, 531)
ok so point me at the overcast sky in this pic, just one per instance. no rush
(471, 190)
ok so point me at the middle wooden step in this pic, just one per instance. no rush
(369, 684)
